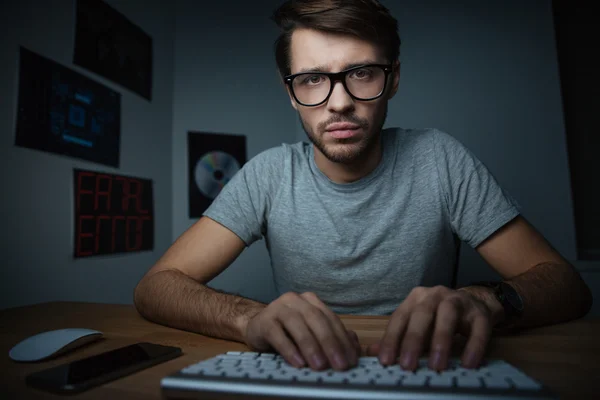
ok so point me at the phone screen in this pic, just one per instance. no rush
(103, 367)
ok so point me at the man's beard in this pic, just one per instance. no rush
(351, 150)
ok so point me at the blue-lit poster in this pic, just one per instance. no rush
(63, 112)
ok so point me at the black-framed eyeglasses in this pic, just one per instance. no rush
(364, 83)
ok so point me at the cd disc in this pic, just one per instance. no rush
(213, 171)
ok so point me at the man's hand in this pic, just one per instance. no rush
(302, 329)
(430, 317)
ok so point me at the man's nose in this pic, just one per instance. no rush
(340, 100)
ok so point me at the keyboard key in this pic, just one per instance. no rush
(524, 382)
(280, 375)
(413, 380)
(213, 372)
(387, 380)
(192, 369)
(496, 383)
(238, 373)
(308, 377)
(426, 372)
(335, 377)
(468, 382)
(228, 356)
(361, 380)
(441, 381)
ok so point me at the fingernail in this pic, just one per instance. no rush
(436, 358)
(317, 361)
(386, 358)
(407, 359)
(471, 359)
(339, 361)
(298, 360)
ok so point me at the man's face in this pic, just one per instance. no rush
(324, 52)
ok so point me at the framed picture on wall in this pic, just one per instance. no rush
(213, 159)
(109, 44)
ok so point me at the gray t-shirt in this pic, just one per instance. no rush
(361, 247)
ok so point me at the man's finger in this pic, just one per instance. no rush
(388, 348)
(280, 341)
(478, 340)
(417, 332)
(324, 332)
(356, 342)
(447, 316)
(297, 328)
(350, 352)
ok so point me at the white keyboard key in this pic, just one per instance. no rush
(213, 372)
(229, 363)
(361, 380)
(259, 375)
(267, 356)
(213, 362)
(192, 369)
(413, 380)
(496, 382)
(335, 377)
(468, 382)
(441, 381)
(398, 370)
(236, 373)
(280, 375)
(228, 356)
(234, 353)
(387, 380)
(425, 372)
(308, 378)
(524, 382)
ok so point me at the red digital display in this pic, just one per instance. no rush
(113, 214)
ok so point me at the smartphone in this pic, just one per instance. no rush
(89, 372)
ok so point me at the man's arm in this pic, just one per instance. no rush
(551, 288)
(298, 326)
(173, 291)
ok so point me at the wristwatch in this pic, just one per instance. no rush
(507, 296)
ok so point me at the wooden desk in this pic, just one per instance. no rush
(565, 357)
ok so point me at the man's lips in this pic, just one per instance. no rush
(342, 130)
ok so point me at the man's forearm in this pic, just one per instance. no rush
(171, 298)
(551, 293)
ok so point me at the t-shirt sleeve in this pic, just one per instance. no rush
(244, 203)
(477, 205)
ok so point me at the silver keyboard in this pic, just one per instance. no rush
(252, 375)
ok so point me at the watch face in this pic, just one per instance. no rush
(512, 297)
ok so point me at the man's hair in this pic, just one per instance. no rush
(365, 19)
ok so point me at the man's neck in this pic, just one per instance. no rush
(348, 173)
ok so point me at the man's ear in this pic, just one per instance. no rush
(292, 100)
(395, 79)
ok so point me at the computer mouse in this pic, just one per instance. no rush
(49, 344)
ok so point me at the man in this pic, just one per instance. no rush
(362, 220)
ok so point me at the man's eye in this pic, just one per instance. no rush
(361, 73)
(312, 80)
